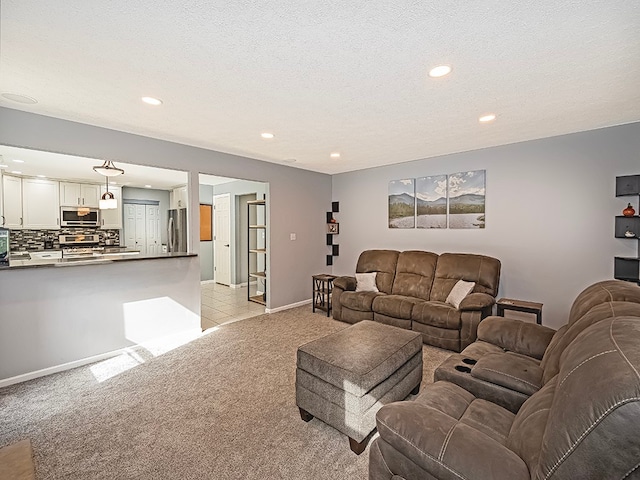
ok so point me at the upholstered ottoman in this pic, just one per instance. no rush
(346, 377)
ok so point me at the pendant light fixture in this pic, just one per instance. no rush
(108, 169)
(108, 201)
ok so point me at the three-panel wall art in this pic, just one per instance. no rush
(456, 200)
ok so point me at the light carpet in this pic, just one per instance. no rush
(220, 407)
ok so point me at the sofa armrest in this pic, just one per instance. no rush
(444, 447)
(345, 283)
(477, 301)
(517, 336)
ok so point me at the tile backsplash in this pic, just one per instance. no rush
(21, 240)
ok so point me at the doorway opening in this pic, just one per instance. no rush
(225, 262)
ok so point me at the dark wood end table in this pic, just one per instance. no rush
(322, 288)
(520, 306)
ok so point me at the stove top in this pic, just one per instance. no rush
(80, 245)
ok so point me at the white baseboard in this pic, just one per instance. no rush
(65, 366)
(207, 281)
(287, 307)
(242, 285)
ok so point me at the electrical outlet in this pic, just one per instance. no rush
(292, 236)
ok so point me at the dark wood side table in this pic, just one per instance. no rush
(322, 288)
(520, 306)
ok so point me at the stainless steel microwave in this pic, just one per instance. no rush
(79, 217)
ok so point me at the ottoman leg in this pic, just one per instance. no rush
(306, 416)
(358, 447)
(416, 390)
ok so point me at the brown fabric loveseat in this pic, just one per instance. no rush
(582, 423)
(413, 287)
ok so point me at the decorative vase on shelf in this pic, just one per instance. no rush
(629, 211)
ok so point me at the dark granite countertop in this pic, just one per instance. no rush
(17, 263)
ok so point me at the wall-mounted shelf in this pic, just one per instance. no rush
(333, 228)
(628, 268)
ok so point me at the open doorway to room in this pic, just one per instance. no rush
(225, 258)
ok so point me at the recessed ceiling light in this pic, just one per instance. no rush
(290, 160)
(15, 160)
(152, 101)
(16, 172)
(4, 166)
(41, 176)
(16, 97)
(335, 155)
(490, 117)
(440, 71)
(147, 186)
(113, 183)
(267, 135)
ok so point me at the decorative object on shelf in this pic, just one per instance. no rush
(108, 201)
(333, 228)
(627, 226)
(108, 169)
(629, 211)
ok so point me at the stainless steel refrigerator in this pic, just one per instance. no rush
(177, 230)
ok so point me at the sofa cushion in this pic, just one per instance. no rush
(366, 282)
(360, 301)
(451, 267)
(510, 370)
(397, 306)
(383, 262)
(447, 432)
(436, 314)
(414, 274)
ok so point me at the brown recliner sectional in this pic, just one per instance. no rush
(512, 359)
(413, 288)
(582, 423)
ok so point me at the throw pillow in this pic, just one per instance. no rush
(459, 291)
(366, 282)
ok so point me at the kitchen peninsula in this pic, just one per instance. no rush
(26, 261)
(53, 319)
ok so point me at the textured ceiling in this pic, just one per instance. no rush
(324, 76)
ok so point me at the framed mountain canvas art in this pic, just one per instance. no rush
(467, 199)
(402, 204)
(431, 202)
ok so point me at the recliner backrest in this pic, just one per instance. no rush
(451, 267)
(414, 274)
(383, 262)
(594, 417)
(551, 360)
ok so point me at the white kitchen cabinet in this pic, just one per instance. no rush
(79, 194)
(178, 197)
(112, 218)
(40, 204)
(12, 202)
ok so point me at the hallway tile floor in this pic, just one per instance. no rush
(222, 304)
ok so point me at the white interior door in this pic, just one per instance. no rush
(222, 239)
(130, 225)
(141, 237)
(152, 218)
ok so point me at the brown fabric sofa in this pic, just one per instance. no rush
(413, 286)
(582, 423)
(511, 360)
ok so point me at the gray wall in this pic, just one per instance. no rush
(297, 198)
(550, 208)
(162, 196)
(206, 248)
